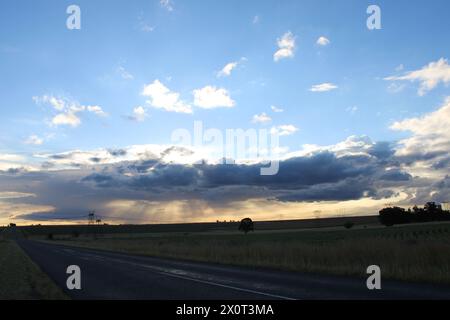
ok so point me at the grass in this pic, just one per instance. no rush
(21, 279)
(419, 253)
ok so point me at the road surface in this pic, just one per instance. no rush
(110, 275)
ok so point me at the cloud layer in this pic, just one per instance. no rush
(428, 76)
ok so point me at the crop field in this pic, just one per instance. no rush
(219, 227)
(416, 252)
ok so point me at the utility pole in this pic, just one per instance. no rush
(91, 217)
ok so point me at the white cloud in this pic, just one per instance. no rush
(210, 97)
(96, 110)
(166, 4)
(352, 146)
(67, 110)
(139, 114)
(429, 76)
(284, 130)
(8, 157)
(255, 19)
(163, 153)
(430, 132)
(323, 87)
(286, 47)
(15, 195)
(322, 41)
(69, 118)
(124, 73)
(56, 103)
(261, 118)
(35, 140)
(276, 109)
(162, 98)
(226, 70)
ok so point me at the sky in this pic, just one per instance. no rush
(91, 112)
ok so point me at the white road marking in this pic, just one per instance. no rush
(229, 287)
(176, 274)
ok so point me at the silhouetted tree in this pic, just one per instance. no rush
(393, 215)
(246, 225)
(348, 225)
(431, 207)
(430, 212)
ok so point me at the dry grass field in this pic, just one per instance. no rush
(21, 279)
(419, 252)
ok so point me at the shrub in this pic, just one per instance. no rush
(246, 225)
(349, 225)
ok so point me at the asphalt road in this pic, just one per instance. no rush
(108, 275)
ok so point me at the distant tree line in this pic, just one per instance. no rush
(397, 215)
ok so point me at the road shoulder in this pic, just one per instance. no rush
(21, 278)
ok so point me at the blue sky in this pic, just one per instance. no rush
(124, 46)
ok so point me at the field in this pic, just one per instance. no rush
(21, 279)
(419, 252)
(139, 229)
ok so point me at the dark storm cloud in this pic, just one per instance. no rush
(382, 150)
(347, 189)
(396, 175)
(293, 173)
(61, 156)
(442, 163)
(422, 156)
(323, 167)
(117, 152)
(138, 166)
(443, 184)
(47, 165)
(438, 191)
(179, 151)
(322, 176)
(166, 176)
(161, 176)
(102, 180)
(382, 194)
(13, 171)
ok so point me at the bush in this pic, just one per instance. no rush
(246, 225)
(349, 225)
